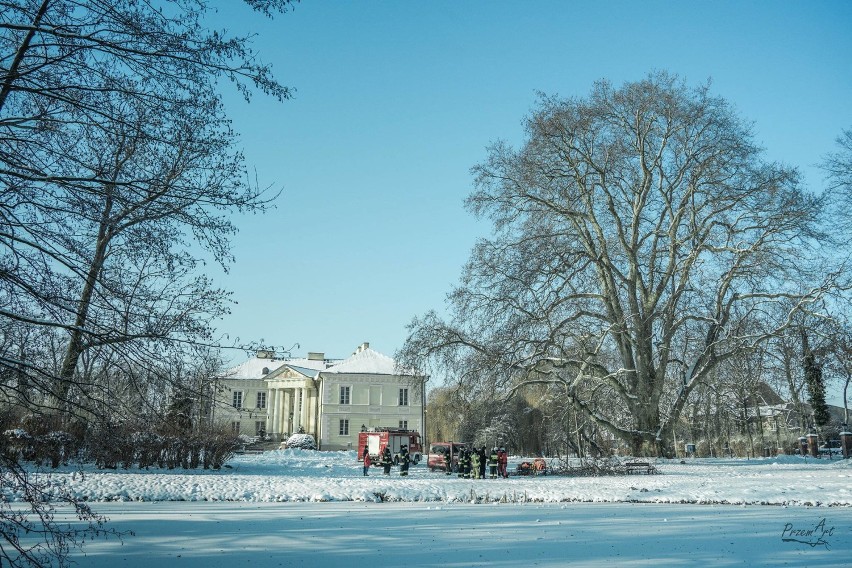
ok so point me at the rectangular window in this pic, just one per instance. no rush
(238, 399)
(261, 400)
(260, 428)
(403, 397)
(403, 424)
(235, 427)
(344, 427)
(344, 395)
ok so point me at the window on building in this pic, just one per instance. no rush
(403, 424)
(344, 427)
(403, 397)
(235, 427)
(344, 395)
(238, 399)
(261, 400)
(260, 428)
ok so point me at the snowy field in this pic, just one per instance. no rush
(302, 508)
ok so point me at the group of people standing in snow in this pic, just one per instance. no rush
(386, 460)
(472, 463)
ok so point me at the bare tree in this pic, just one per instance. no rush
(842, 365)
(836, 352)
(638, 237)
(838, 165)
(119, 174)
(838, 168)
(115, 157)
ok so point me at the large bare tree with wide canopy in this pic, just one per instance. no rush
(639, 238)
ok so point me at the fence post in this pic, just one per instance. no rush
(846, 443)
(813, 445)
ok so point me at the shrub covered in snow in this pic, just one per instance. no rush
(127, 447)
(302, 441)
(54, 447)
(121, 445)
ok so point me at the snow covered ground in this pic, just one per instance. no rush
(303, 508)
(302, 475)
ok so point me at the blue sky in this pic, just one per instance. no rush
(396, 101)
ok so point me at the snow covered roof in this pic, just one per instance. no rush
(313, 364)
(366, 361)
(253, 368)
(304, 370)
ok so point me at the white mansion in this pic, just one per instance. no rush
(331, 399)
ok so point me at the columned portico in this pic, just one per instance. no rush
(292, 396)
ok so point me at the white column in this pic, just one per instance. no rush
(309, 411)
(284, 406)
(297, 406)
(306, 410)
(305, 406)
(286, 403)
(273, 415)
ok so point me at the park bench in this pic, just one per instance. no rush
(639, 467)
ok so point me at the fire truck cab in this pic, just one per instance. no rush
(377, 439)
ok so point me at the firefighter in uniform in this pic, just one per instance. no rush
(502, 462)
(367, 461)
(386, 460)
(474, 464)
(492, 464)
(483, 460)
(404, 460)
(448, 461)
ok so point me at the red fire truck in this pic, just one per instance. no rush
(377, 439)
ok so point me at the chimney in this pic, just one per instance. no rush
(314, 356)
(362, 347)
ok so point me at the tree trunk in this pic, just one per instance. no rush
(12, 73)
(645, 440)
(76, 339)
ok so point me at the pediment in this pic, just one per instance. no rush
(286, 372)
